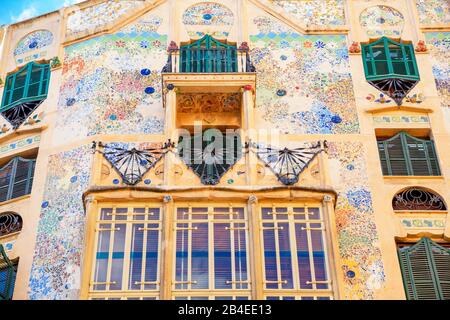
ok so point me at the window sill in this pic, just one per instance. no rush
(15, 200)
(413, 177)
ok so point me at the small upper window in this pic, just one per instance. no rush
(24, 91)
(16, 178)
(405, 155)
(418, 199)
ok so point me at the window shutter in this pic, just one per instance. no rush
(418, 156)
(7, 276)
(397, 157)
(21, 178)
(5, 180)
(441, 259)
(426, 271)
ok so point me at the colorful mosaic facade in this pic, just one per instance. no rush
(439, 43)
(304, 82)
(433, 12)
(308, 86)
(112, 65)
(92, 18)
(381, 21)
(60, 240)
(315, 12)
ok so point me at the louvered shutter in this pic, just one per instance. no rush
(21, 178)
(441, 262)
(435, 169)
(395, 153)
(5, 180)
(426, 271)
(7, 276)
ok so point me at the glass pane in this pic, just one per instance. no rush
(396, 53)
(118, 257)
(270, 257)
(200, 241)
(151, 257)
(240, 256)
(35, 76)
(285, 256)
(17, 94)
(102, 256)
(137, 249)
(381, 67)
(379, 53)
(222, 256)
(304, 263)
(319, 255)
(399, 68)
(33, 90)
(181, 264)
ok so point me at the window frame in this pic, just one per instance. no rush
(406, 155)
(11, 268)
(384, 42)
(124, 293)
(11, 78)
(297, 291)
(211, 290)
(12, 180)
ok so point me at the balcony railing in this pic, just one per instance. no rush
(208, 60)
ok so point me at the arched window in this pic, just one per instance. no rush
(208, 55)
(16, 178)
(24, 92)
(418, 199)
(10, 223)
(405, 155)
(391, 67)
(426, 270)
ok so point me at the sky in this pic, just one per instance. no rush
(18, 10)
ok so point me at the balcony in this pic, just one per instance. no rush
(208, 55)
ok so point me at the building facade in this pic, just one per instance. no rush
(330, 172)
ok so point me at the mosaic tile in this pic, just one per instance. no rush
(95, 17)
(359, 246)
(314, 73)
(439, 46)
(314, 12)
(379, 21)
(56, 269)
(34, 41)
(433, 11)
(208, 18)
(111, 66)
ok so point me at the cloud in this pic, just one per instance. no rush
(26, 14)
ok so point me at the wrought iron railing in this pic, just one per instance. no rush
(212, 60)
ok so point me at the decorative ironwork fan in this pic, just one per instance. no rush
(132, 164)
(397, 89)
(20, 113)
(210, 160)
(287, 164)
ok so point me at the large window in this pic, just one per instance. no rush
(386, 57)
(405, 155)
(28, 84)
(127, 253)
(295, 255)
(16, 178)
(426, 270)
(8, 271)
(211, 251)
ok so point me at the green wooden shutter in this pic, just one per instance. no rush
(7, 276)
(395, 156)
(426, 271)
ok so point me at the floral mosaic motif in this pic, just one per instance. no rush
(94, 17)
(359, 247)
(401, 119)
(379, 21)
(20, 144)
(423, 223)
(34, 41)
(315, 73)
(439, 47)
(56, 270)
(315, 12)
(433, 11)
(111, 66)
(208, 18)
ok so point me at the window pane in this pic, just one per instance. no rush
(381, 67)
(319, 256)
(118, 257)
(200, 275)
(222, 256)
(304, 263)
(399, 68)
